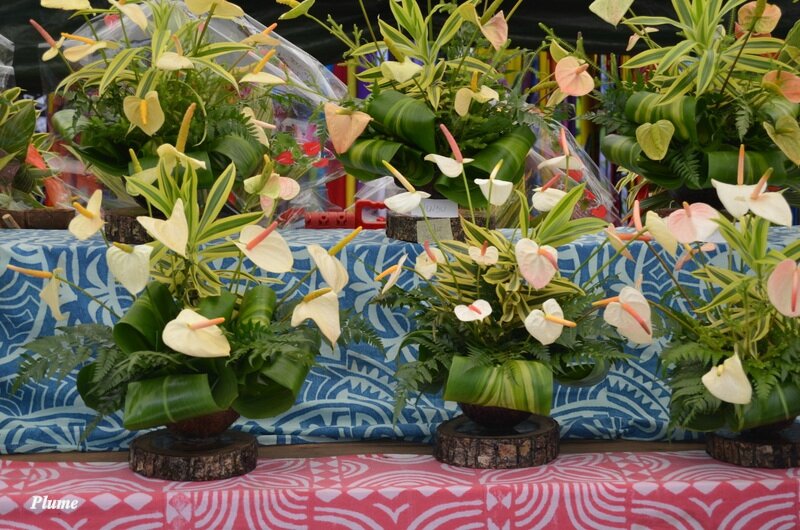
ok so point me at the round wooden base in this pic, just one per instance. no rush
(165, 455)
(778, 449)
(38, 218)
(415, 230)
(121, 226)
(462, 442)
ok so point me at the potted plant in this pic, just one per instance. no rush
(205, 336)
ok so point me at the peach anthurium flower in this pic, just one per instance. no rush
(321, 306)
(616, 242)
(192, 334)
(496, 30)
(272, 188)
(344, 125)
(537, 264)
(630, 314)
(171, 61)
(572, 77)
(393, 273)
(484, 256)
(636, 36)
(783, 288)
(477, 310)
(266, 248)
(496, 191)
(76, 53)
(427, 262)
(173, 233)
(145, 113)
(406, 201)
(450, 167)
(786, 83)
(49, 293)
(546, 324)
(133, 12)
(222, 8)
(466, 95)
(171, 157)
(728, 382)
(68, 5)
(764, 24)
(130, 265)
(330, 268)
(87, 221)
(400, 71)
(695, 222)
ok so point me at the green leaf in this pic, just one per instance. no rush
(245, 155)
(258, 306)
(217, 198)
(364, 161)
(298, 10)
(646, 107)
(706, 71)
(215, 49)
(646, 58)
(159, 43)
(218, 306)
(216, 69)
(786, 135)
(448, 31)
(117, 66)
(141, 326)
(558, 227)
(654, 138)
(406, 118)
(15, 133)
(151, 194)
(226, 226)
(148, 81)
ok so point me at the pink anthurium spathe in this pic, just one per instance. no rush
(192, 334)
(322, 307)
(476, 311)
(547, 323)
(537, 264)
(173, 233)
(496, 191)
(130, 265)
(785, 83)
(763, 24)
(630, 314)
(393, 274)
(694, 222)
(728, 382)
(87, 221)
(485, 256)
(783, 288)
(266, 248)
(329, 267)
(428, 262)
(572, 77)
(406, 201)
(496, 30)
(689, 254)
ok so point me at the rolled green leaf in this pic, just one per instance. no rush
(626, 152)
(783, 403)
(245, 155)
(518, 385)
(405, 117)
(141, 326)
(644, 107)
(364, 160)
(583, 374)
(258, 306)
(272, 390)
(221, 305)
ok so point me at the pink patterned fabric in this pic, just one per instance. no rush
(610, 490)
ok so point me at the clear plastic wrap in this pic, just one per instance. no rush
(6, 60)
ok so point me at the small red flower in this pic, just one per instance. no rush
(589, 196)
(34, 158)
(285, 158)
(312, 148)
(599, 211)
(322, 162)
(111, 20)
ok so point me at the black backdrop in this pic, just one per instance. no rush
(568, 17)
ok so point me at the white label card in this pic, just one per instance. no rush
(437, 209)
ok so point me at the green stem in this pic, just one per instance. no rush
(87, 293)
(205, 28)
(671, 274)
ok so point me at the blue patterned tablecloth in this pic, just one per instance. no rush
(349, 394)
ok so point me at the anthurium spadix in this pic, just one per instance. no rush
(694, 222)
(87, 220)
(547, 323)
(344, 125)
(537, 264)
(222, 8)
(321, 306)
(450, 167)
(406, 201)
(263, 38)
(783, 288)
(266, 248)
(50, 290)
(132, 11)
(572, 77)
(192, 334)
(728, 382)
(173, 232)
(485, 256)
(130, 265)
(630, 314)
(54, 46)
(330, 268)
(258, 76)
(476, 311)
(145, 113)
(496, 191)
(427, 263)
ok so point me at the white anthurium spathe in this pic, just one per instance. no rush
(546, 324)
(87, 221)
(259, 126)
(263, 78)
(329, 267)
(222, 8)
(393, 273)
(68, 5)
(130, 265)
(728, 382)
(427, 263)
(171, 61)
(476, 311)
(192, 334)
(132, 11)
(400, 72)
(563, 163)
(496, 191)
(537, 264)
(406, 201)
(87, 47)
(738, 199)
(545, 199)
(321, 306)
(266, 248)
(630, 314)
(450, 167)
(50, 290)
(171, 157)
(617, 243)
(145, 113)
(484, 256)
(465, 96)
(173, 232)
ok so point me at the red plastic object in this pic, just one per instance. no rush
(348, 219)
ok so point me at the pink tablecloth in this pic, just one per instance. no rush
(611, 490)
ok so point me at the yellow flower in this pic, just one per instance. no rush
(88, 221)
(145, 113)
(79, 52)
(133, 12)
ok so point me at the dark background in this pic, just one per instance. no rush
(568, 17)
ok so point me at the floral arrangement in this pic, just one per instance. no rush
(203, 324)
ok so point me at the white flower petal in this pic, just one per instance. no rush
(728, 382)
(272, 254)
(131, 269)
(406, 201)
(83, 227)
(544, 201)
(425, 266)
(658, 229)
(263, 78)
(490, 257)
(627, 324)
(324, 311)
(477, 310)
(448, 166)
(562, 162)
(171, 61)
(330, 268)
(400, 71)
(205, 342)
(172, 233)
(733, 197)
(394, 276)
(133, 12)
(773, 207)
(537, 264)
(49, 295)
(496, 191)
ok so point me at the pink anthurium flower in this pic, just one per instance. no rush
(695, 222)
(496, 30)
(344, 125)
(50, 290)
(786, 83)
(496, 191)
(87, 221)
(546, 324)
(572, 77)
(321, 306)
(484, 256)
(689, 253)
(272, 188)
(192, 334)
(266, 248)
(130, 265)
(55, 46)
(406, 201)
(428, 262)
(330, 268)
(450, 167)
(630, 314)
(173, 233)
(728, 382)
(476, 311)
(765, 23)
(393, 273)
(537, 264)
(783, 288)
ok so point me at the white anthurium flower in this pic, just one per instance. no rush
(89, 46)
(171, 61)
(67, 5)
(330, 268)
(563, 163)
(263, 78)
(53, 50)
(617, 243)
(728, 382)
(496, 191)
(258, 125)
(465, 96)
(630, 314)
(274, 187)
(133, 11)
(321, 306)
(400, 72)
(145, 113)
(173, 233)
(50, 290)
(537, 264)
(266, 248)
(546, 324)
(427, 263)
(264, 38)
(222, 8)
(171, 157)
(450, 167)
(87, 221)
(738, 199)
(393, 273)
(476, 311)
(406, 201)
(192, 334)
(130, 265)
(544, 200)
(484, 256)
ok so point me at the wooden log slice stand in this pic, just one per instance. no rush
(121, 226)
(775, 449)
(462, 442)
(38, 218)
(410, 228)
